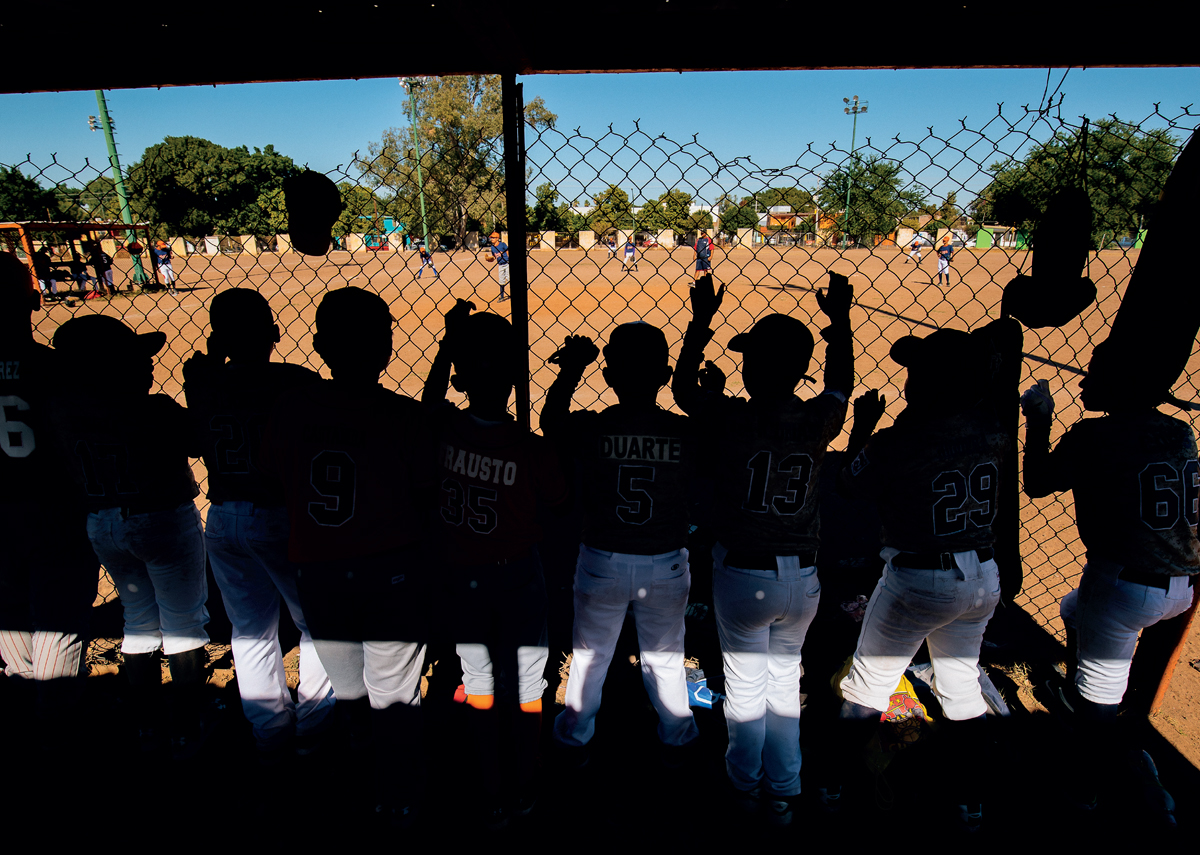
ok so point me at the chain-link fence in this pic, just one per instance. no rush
(613, 221)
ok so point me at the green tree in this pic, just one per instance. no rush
(193, 187)
(744, 215)
(611, 210)
(671, 210)
(363, 212)
(878, 200)
(546, 215)
(1124, 173)
(22, 198)
(460, 126)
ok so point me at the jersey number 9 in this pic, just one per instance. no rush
(332, 475)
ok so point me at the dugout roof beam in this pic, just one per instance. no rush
(187, 45)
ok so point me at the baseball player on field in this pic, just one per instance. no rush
(354, 461)
(1136, 483)
(48, 570)
(493, 474)
(499, 251)
(934, 476)
(247, 529)
(767, 458)
(944, 253)
(162, 257)
(637, 461)
(129, 453)
(914, 251)
(629, 260)
(426, 261)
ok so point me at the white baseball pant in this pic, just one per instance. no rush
(605, 585)
(247, 547)
(762, 618)
(1108, 612)
(948, 608)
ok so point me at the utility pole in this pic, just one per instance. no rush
(411, 83)
(851, 109)
(139, 275)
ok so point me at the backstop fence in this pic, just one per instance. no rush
(610, 225)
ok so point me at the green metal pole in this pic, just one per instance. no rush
(139, 275)
(849, 178)
(412, 103)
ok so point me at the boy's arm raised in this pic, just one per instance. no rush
(438, 380)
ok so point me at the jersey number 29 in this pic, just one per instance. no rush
(954, 489)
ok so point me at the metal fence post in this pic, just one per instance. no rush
(514, 198)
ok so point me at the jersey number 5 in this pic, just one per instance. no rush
(1165, 494)
(332, 475)
(639, 505)
(950, 512)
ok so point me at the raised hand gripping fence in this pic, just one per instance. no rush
(776, 232)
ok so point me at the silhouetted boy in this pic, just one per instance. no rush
(637, 461)
(493, 475)
(354, 460)
(768, 454)
(247, 530)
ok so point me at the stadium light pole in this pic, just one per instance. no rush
(139, 275)
(851, 109)
(411, 83)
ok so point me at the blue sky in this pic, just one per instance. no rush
(770, 117)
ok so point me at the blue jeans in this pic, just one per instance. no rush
(1108, 613)
(762, 618)
(247, 547)
(157, 563)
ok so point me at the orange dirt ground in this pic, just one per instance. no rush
(573, 292)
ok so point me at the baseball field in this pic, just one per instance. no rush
(576, 292)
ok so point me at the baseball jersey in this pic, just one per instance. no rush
(629, 249)
(934, 480)
(500, 252)
(491, 477)
(945, 252)
(127, 450)
(1136, 482)
(766, 460)
(30, 467)
(703, 248)
(230, 407)
(636, 468)
(162, 255)
(356, 470)
(425, 256)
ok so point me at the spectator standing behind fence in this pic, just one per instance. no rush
(704, 248)
(500, 256)
(945, 253)
(102, 263)
(162, 256)
(355, 462)
(43, 269)
(129, 453)
(48, 570)
(636, 482)
(935, 477)
(767, 472)
(247, 528)
(1136, 515)
(494, 475)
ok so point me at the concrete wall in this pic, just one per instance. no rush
(666, 238)
(547, 241)
(587, 239)
(745, 237)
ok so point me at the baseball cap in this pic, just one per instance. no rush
(944, 348)
(780, 338)
(313, 205)
(636, 345)
(101, 335)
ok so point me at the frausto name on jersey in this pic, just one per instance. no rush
(663, 449)
(487, 469)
